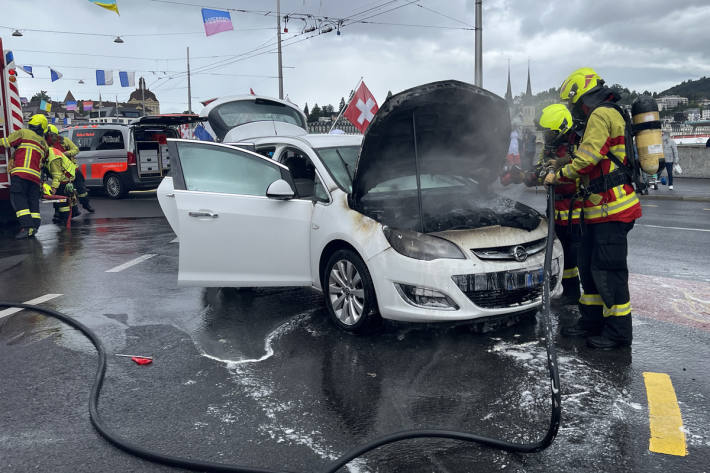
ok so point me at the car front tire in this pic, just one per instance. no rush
(349, 293)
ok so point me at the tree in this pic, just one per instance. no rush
(327, 110)
(41, 95)
(315, 114)
(305, 110)
(389, 94)
(342, 104)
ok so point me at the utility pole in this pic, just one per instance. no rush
(278, 35)
(189, 89)
(141, 84)
(479, 47)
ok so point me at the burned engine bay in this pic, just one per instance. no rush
(428, 159)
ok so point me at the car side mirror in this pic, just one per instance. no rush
(280, 190)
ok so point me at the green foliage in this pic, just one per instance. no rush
(315, 113)
(341, 106)
(693, 89)
(41, 95)
(306, 111)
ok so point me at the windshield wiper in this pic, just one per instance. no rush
(347, 168)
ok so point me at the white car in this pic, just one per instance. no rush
(399, 224)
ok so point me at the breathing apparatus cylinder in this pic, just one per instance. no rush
(647, 131)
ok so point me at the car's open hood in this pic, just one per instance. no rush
(443, 131)
(457, 127)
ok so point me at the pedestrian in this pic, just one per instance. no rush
(62, 169)
(70, 150)
(558, 149)
(670, 154)
(610, 208)
(25, 173)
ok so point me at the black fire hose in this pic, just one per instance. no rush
(189, 464)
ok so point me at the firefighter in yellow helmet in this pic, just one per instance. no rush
(70, 150)
(62, 169)
(610, 207)
(25, 173)
(560, 140)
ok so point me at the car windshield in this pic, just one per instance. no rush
(340, 162)
(245, 111)
(428, 181)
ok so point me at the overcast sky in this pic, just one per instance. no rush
(642, 44)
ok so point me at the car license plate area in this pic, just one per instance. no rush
(504, 288)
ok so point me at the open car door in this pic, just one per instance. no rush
(230, 232)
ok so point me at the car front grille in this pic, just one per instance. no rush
(507, 253)
(503, 289)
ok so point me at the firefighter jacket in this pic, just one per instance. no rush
(30, 152)
(566, 189)
(604, 132)
(61, 168)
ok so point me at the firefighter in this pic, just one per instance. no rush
(70, 150)
(560, 140)
(610, 207)
(63, 170)
(25, 173)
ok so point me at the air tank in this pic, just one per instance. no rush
(647, 130)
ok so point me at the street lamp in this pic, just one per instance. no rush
(118, 40)
(17, 33)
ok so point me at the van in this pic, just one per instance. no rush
(121, 158)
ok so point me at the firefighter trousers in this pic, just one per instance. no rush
(80, 186)
(62, 210)
(24, 197)
(605, 304)
(569, 237)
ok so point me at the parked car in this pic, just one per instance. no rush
(122, 158)
(399, 224)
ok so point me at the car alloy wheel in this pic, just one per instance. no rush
(347, 296)
(114, 187)
(350, 296)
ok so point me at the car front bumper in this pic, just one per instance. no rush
(389, 268)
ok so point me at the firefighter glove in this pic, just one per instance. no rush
(551, 179)
(69, 188)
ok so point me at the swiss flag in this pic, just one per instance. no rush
(362, 108)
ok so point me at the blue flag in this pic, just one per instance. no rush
(54, 74)
(104, 77)
(202, 134)
(28, 70)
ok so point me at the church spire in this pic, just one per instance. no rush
(528, 91)
(508, 92)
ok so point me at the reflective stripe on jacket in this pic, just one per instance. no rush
(604, 132)
(61, 168)
(30, 151)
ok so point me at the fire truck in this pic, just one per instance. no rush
(10, 120)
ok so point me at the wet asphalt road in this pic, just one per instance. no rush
(261, 377)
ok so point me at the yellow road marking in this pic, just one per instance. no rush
(666, 424)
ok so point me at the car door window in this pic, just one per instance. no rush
(320, 194)
(213, 168)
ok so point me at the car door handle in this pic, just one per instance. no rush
(203, 214)
(169, 195)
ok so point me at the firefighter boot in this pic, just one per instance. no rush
(24, 233)
(75, 212)
(86, 204)
(616, 333)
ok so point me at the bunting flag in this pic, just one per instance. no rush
(46, 106)
(104, 77)
(251, 91)
(88, 105)
(127, 79)
(54, 74)
(71, 105)
(28, 70)
(107, 4)
(216, 21)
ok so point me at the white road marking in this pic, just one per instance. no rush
(39, 300)
(174, 240)
(133, 262)
(650, 205)
(676, 228)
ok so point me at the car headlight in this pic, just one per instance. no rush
(420, 245)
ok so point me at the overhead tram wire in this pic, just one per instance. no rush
(445, 15)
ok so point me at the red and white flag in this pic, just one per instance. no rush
(362, 108)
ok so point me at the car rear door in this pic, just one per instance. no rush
(230, 233)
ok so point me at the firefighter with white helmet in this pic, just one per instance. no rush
(610, 207)
(25, 172)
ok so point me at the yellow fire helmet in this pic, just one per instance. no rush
(39, 120)
(556, 117)
(579, 83)
(52, 129)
